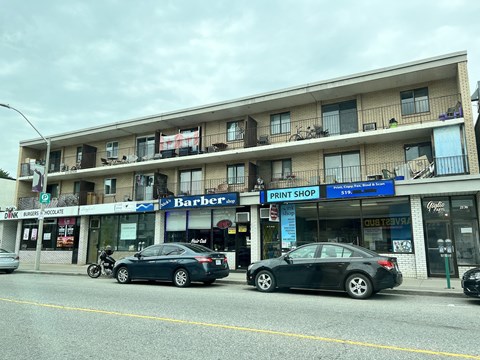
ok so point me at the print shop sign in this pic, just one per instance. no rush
(211, 200)
(292, 194)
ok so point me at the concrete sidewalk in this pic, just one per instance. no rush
(431, 286)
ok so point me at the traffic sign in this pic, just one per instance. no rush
(45, 198)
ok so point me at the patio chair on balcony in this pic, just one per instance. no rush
(387, 174)
(263, 140)
(453, 112)
(104, 161)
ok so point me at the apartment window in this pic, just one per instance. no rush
(340, 168)
(79, 155)
(340, 118)
(280, 123)
(144, 187)
(146, 147)
(110, 186)
(235, 130)
(191, 182)
(281, 169)
(112, 149)
(414, 101)
(413, 151)
(236, 174)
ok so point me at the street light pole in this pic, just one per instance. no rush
(44, 189)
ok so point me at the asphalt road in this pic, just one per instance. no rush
(74, 317)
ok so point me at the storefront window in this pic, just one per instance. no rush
(128, 232)
(340, 221)
(387, 225)
(299, 225)
(458, 217)
(176, 226)
(58, 234)
(199, 227)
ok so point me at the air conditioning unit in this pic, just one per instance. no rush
(264, 213)
(242, 217)
(370, 126)
(95, 224)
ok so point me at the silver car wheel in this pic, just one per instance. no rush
(181, 278)
(123, 276)
(265, 281)
(359, 286)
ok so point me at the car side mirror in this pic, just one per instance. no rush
(138, 255)
(288, 259)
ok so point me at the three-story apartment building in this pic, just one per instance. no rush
(386, 159)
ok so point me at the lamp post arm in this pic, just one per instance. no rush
(18, 111)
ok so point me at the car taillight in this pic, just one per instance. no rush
(203, 259)
(387, 264)
(225, 260)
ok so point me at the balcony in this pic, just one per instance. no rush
(372, 125)
(420, 168)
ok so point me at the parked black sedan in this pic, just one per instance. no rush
(327, 266)
(180, 263)
(471, 283)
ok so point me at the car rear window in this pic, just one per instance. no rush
(198, 248)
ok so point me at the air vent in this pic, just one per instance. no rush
(264, 213)
(242, 217)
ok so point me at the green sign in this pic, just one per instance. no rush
(45, 198)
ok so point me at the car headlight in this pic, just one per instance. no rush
(474, 276)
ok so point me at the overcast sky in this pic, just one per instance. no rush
(70, 64)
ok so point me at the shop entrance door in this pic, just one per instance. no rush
(436, 264)
(271, 245)
(242, 251)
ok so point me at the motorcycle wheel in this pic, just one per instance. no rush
(94, 271)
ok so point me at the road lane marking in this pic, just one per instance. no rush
(246, 329)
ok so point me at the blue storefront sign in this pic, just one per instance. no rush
(199, 201)
(144, 207)
(361, 189)
(290, 194)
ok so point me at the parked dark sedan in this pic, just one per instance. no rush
(327, 266)
(180, 263)
(471, 282)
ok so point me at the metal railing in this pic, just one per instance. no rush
(419, 168)
(304, 129)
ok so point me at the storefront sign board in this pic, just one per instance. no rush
(361, 189)
(98, 209)
(35, 213)
(199, 201)
(290, 194)
(289, 227)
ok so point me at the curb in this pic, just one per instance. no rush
(398, 291)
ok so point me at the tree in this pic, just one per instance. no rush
(4, 174)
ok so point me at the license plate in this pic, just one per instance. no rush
(218, 262)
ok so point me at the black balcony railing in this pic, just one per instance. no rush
(382, 117)
(420, 168)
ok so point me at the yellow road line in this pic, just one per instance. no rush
(246, 329)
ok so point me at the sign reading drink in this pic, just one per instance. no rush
(210, 200)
